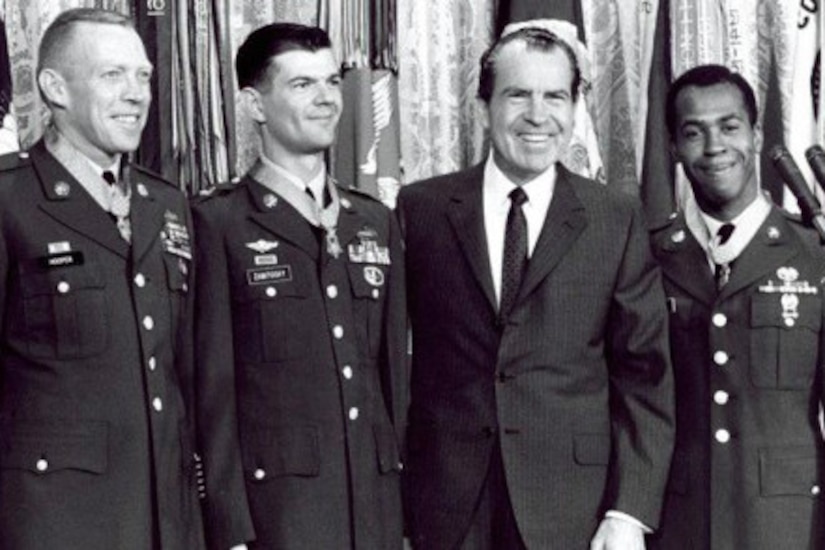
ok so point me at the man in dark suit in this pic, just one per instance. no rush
(300, 325)
(541, 385)
(747, 347)
(95, 264)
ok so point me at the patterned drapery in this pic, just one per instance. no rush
(438, 46)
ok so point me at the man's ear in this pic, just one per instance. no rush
(54, 88)
(254, 104)
(483, 110)
(758, 138)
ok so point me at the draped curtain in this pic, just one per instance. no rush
(412, 111)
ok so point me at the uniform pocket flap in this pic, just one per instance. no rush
(62, 280)
(786, 310)
(45, 446)
(281, 451)
(386, 448)
(788, 471)
(367, 280)
(591, 449)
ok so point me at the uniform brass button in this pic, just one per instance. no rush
(157, 404)
(332, 291)
(259, 474)
(720, 358)
(153, 363)
(789, 321)
(63, 287)
(376, 293)
(148, 322)
(353, 413)
(140, 280)
(721, 397)
(271, 291)
(338, 331)
(722, 436)
(720, 320)
(815, 490)
(347, 372)
(42, 465)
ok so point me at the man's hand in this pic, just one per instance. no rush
(618, 534)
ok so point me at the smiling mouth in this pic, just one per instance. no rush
(127, 120)
(718, 168)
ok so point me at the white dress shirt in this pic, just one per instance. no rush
(495, 191)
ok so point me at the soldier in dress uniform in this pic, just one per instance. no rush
(95, 363)
(745, 293)
(300, 328)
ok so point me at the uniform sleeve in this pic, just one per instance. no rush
(395, 371)
(641, 383)
(226, 512)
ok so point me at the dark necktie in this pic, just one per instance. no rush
(515, 252)
(721, 267)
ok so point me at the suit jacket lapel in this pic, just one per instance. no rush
(280, 218)
(684, 263)
(466, 214)
(69, 203)
(564, 223)
(768, 249)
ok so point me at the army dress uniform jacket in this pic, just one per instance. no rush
(748, 464)
(302, 374)
(575, 384)
(95, 365)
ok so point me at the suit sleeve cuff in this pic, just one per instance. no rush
(615, 514)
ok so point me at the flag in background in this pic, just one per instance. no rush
(367, 154)
(657, 177)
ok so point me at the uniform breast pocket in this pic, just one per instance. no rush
(368, 283)
(64, 311)
(272, 318)
(784, 339)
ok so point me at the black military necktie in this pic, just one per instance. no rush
(721, 265)
(515, 252)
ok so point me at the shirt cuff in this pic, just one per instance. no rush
(615, 514)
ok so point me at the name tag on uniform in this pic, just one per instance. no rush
(274, 274)
(61, 260)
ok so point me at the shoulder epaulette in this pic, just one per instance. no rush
(13, 161)
(152, 174)
(662, 223)
(215, 191)
(359, 193)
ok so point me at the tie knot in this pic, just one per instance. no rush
(725, 232)
(109, 176)
(518, 196)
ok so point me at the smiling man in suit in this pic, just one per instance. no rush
(541, 412)
(301, 325)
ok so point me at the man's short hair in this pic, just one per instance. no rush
(535, 38)
(255, 55)
(58, 35)
(703, 76)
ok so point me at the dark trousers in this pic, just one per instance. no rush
(494, 525)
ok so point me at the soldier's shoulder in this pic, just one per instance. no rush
(11, 162)
(659, 224)
(209, 194)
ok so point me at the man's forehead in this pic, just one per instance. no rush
(694, 102)
(294, 63)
